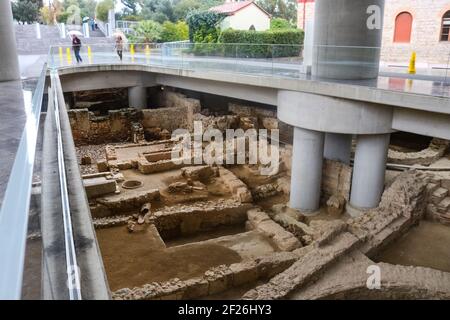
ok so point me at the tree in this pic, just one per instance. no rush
(174, 31)
(158, 10)
(183, 7)
(131, 6)
(103, 8)
(286, 9)
(204, 26)
(280, 23)
(25, 11)
(148, 31)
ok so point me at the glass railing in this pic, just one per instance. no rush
(14, 214)
(291, 61)
(259, 59)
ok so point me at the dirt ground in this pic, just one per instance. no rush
(426, 245)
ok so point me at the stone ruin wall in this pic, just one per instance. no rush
(90, 129)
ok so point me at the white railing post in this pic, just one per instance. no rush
(86, 30)
(62, 30)
(38, 30)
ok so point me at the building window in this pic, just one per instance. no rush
(403, 27)
(445, 27)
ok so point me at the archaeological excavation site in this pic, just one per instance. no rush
(180, 230)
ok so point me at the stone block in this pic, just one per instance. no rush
(102, 166)
(336, 205)
(196, 288)
(444, 205)
(244, 273)
(99, 186)
(438, 195)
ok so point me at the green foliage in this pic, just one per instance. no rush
(204, 26)
(158, 10)
(183, 7)
(87, 7)
(102, 9)
(280, 23)
(147, 31)
(131, 6)
(63, 17)
(25, 11)
(286, 9)
(174, 31)
(262, 44)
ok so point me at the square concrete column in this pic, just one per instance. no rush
(369, 170)
(9, 62)
(338, 147)
(137, 97)
(306, 176)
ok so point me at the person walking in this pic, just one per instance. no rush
(76, 46)
(119, 46)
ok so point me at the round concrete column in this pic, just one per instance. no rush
(347, 38)
(137, 97)
(9, 63)
(338, 147)
(306, 175)
(369, 170)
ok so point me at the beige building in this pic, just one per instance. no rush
(243, 15)
(421, 26)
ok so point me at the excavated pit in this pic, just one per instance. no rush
(185, 231)
(425, 245)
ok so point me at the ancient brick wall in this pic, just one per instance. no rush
(90, 129)
(336, 179)
(178, 113)
(267, 119)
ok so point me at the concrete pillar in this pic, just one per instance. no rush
(9, 62)
(306, 176)
(369, 170)
(338, 147)
(347, 38)
(137, 97)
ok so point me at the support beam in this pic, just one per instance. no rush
(369, 171)
(306, 177)
(9, 62)
(137, 97)
(338, 147)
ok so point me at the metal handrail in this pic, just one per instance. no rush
(73, 275)
(16, 202)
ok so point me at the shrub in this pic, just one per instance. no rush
(174, 31)
(280, 23)
(147, 31)
(262, 44)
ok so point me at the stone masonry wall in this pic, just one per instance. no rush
(267, 119)
(90, 129)
(425, 36)
(178, 113)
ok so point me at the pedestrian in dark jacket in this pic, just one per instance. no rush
(76, 46)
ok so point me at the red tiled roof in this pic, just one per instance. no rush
(233, 7)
